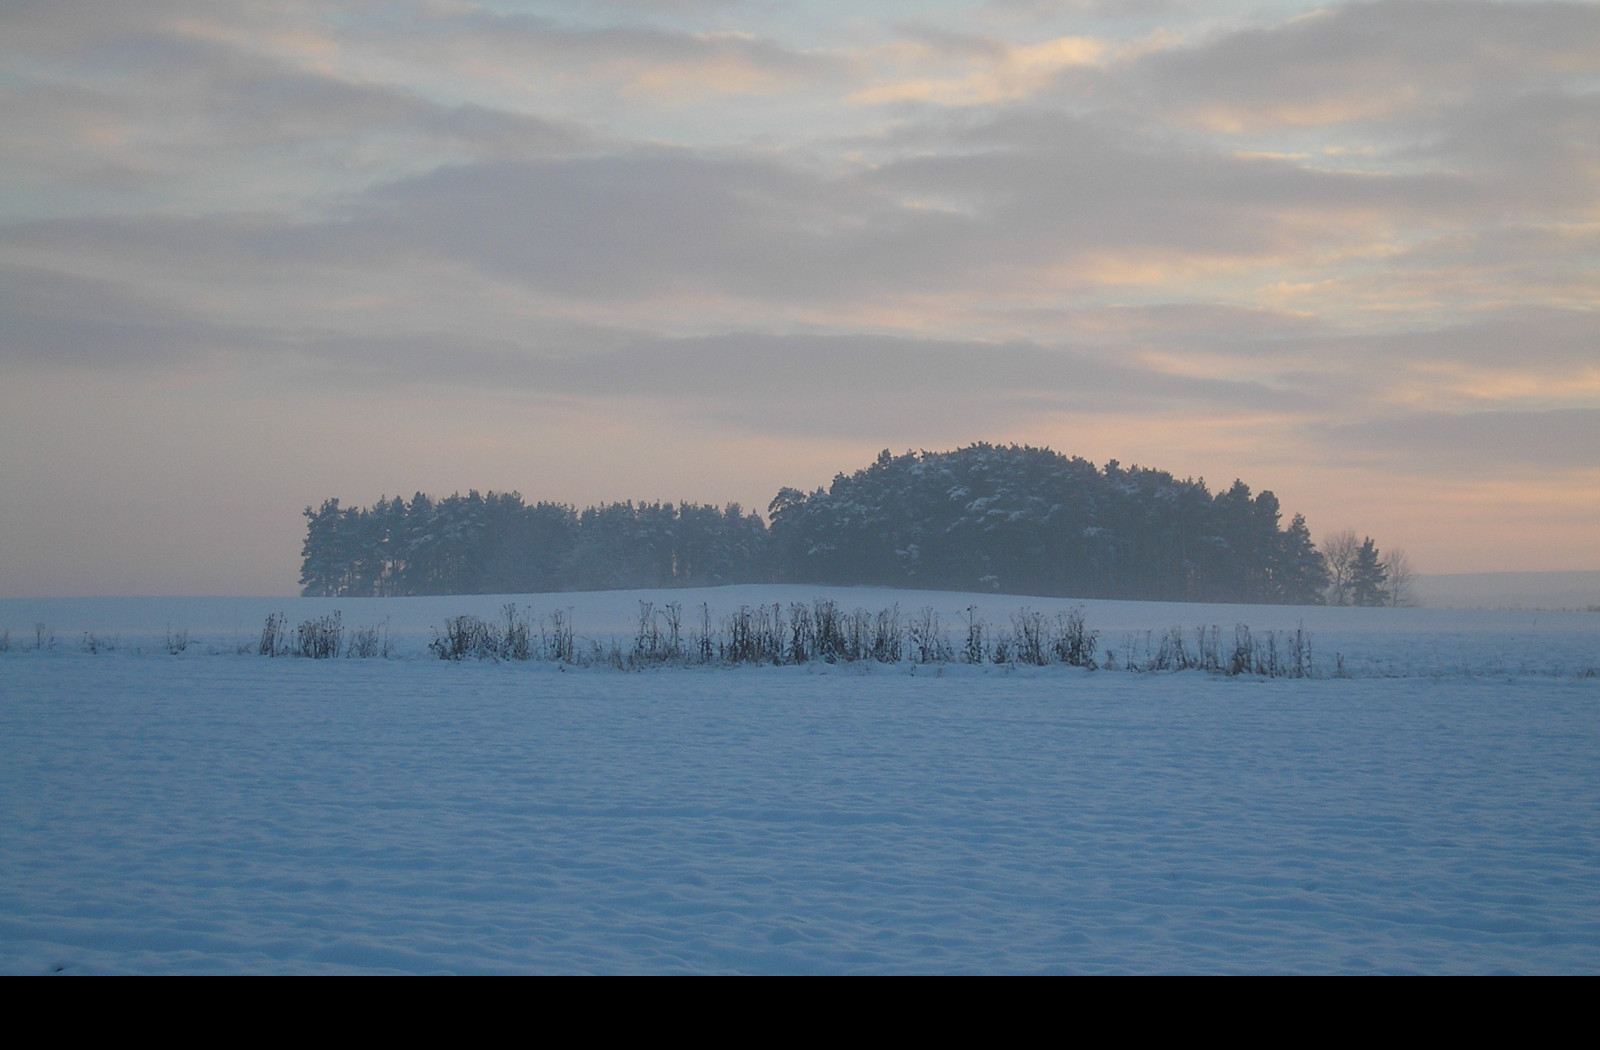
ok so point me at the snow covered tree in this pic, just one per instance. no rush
(1032, 521)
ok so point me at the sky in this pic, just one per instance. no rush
(258, 254)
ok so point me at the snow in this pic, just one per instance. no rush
(1437, 811)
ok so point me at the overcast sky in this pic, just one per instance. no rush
(256, 254)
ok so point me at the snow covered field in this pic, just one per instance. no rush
(1438, 810)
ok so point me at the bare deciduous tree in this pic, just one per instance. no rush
(1402, 590)
(1340, 550)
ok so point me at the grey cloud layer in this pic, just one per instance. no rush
(1497, 444)
(1395, 61)
(1046, 194)
(54, 321)
(1297, 218)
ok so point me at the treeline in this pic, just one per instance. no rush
(497, 544)
(1012, 519)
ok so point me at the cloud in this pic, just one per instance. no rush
(174, 115)
(1525, 339)
(991, 71)
(1020, 208)
(1030, 232)
(55, 321)
(1491, 444)
(1540, 150)
(1386, 62)
(760, 387)
(530, 58)
(1071, 184)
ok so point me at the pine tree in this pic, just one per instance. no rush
(325, 565)
(1367, 575)
(1300, 573)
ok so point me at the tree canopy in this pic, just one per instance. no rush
(497, 543)
(1011, 518)
(1031, 521)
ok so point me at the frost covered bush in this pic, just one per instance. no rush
(926, 642)
(319, 638)
(1073, 642)
(820, 631)
(465, 636)
(1028, 638)
(973, 651)
(555, 638)
(660, 636)
(755, 636)
(1269, 654)
(515, 635)
(274, 641)
(802, 633)
(473, 636)
(886, 637)
(367, 642)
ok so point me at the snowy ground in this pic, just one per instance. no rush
(1438, 811)
(1361, 642)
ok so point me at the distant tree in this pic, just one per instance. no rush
(1300, 572)
(1339, 550)
(1367, 576)
(1401, 589)
(325, 568)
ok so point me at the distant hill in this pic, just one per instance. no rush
(1510, 590)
